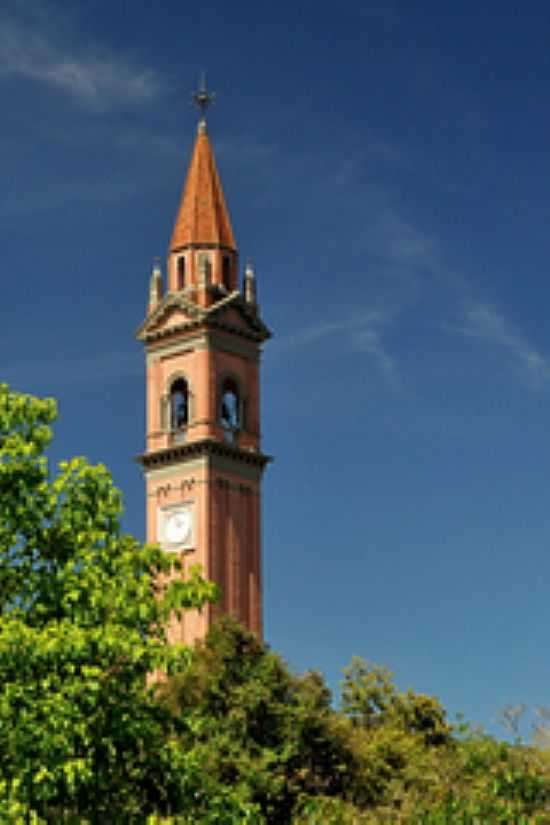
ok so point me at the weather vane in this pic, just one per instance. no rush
(202, 98)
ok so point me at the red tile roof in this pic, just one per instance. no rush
(202, 216)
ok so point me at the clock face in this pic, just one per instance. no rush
(178, 527)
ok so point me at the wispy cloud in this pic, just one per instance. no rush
(373, 221)
(361, 333)
(405, 244)
(483, 321)
(368, 339)
(96, 81)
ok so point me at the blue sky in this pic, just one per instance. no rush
(387, 169)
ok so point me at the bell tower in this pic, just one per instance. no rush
(203, 463)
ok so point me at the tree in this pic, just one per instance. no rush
(230, 736)
(255, 726)
(370, 699)
(82, 622)
(417, 769)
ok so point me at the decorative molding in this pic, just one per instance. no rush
(181, 453)
(172, 471)
(256, 331)
(164, 490)
(178, 249)
(170, 348)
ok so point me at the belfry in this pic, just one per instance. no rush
(203, 463)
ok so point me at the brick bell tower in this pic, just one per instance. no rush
(203, 464)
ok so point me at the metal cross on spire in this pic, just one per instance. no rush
(202, 98)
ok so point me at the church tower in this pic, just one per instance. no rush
(203, 463)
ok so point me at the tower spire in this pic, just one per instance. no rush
(202, 258)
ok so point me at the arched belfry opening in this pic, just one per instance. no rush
(179, 404)
(231, 408)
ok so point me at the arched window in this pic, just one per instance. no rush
(181, 272)
(226, 272)
(230, 413)
(179, 404)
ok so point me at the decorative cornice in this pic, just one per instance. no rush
(210, 317)
(171, 299)
(205, 447)
(195, 245)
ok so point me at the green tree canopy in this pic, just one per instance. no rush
(81, 627)
(255, 725)
(230, 736)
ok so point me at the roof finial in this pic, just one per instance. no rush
(202, 99)
(155, 286)
(250, 294)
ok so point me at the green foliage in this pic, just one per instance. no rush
(81, 626)
(455, 811)
(231, 737)
(371, 700)
(398, 738)
(252, 724)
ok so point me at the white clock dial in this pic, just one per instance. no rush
(177, 527)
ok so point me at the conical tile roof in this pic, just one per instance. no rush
(202, 216)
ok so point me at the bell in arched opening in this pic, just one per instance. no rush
(230, 412)
(179, 404)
